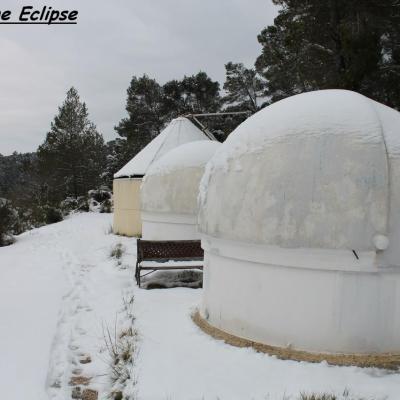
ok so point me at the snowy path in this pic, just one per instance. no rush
(58, 290)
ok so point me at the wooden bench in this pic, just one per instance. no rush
(155, 255)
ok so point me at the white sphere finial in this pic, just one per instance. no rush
(381, 242)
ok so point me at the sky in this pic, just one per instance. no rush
(114, 40)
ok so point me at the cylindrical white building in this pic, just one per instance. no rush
(127, 181)
(300, 223)
(170, 189)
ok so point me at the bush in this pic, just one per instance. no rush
(106, 206)
(71, 204)
(68, 205)
(100, 195)
(100, 200)
(117, 251)
(83, 204)
(52, 215)
(8, 220)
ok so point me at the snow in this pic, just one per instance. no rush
(178, 361)
(30, 297)
(317, 113)
(178, 132)
(188, 155)
(323, 112)
(172, 263)
(390, 121)
(59, 288)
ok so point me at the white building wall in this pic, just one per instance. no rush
(127, 219)
(337, 304)
(160, 226)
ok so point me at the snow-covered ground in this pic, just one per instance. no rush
(59, 289)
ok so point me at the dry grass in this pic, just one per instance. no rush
(117, 251)
(326, 396)
(90, 394)
(385, 360)
(121, 349)
(120, 343)
(79, 380)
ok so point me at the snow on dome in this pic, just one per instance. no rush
(300, 208)
(170, 189)
(324, 181)
(179, 131)
(193, 154)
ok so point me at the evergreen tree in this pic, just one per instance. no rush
(72, 157)
(347, 44)
(117, 155)
(18, 176)
(194, 94)
(145, 120)
(244, 88)
(8, 220)
(151, 106)
(200, 94)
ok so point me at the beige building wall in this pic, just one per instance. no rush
(127, 219)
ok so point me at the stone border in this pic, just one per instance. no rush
(389, 361)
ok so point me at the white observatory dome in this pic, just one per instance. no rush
(170, 189)
(300, 217)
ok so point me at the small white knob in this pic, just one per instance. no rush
(381, 242)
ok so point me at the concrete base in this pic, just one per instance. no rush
(325, 301)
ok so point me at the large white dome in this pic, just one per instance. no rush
(300, 213)
(313, 171)
(170, 190)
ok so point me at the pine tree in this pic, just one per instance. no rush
(8, 220)
(200, 94)
(347, 44)
(72, 157)
(144, 121)
(244, 88)
(194, 94)
(151, 107)
(117, 155)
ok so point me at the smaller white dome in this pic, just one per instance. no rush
(170, 189)
(179, 131)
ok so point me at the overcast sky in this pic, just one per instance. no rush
(112, 41)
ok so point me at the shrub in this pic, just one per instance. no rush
(100, 200)
(71, 204)
(121, 347)
(8, 220)
(52, 215)
(83, 204)
(68, 205)
(106, 206)
(100, 195)
(117, 251)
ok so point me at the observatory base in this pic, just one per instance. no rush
(163, 226)
(319, 301)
